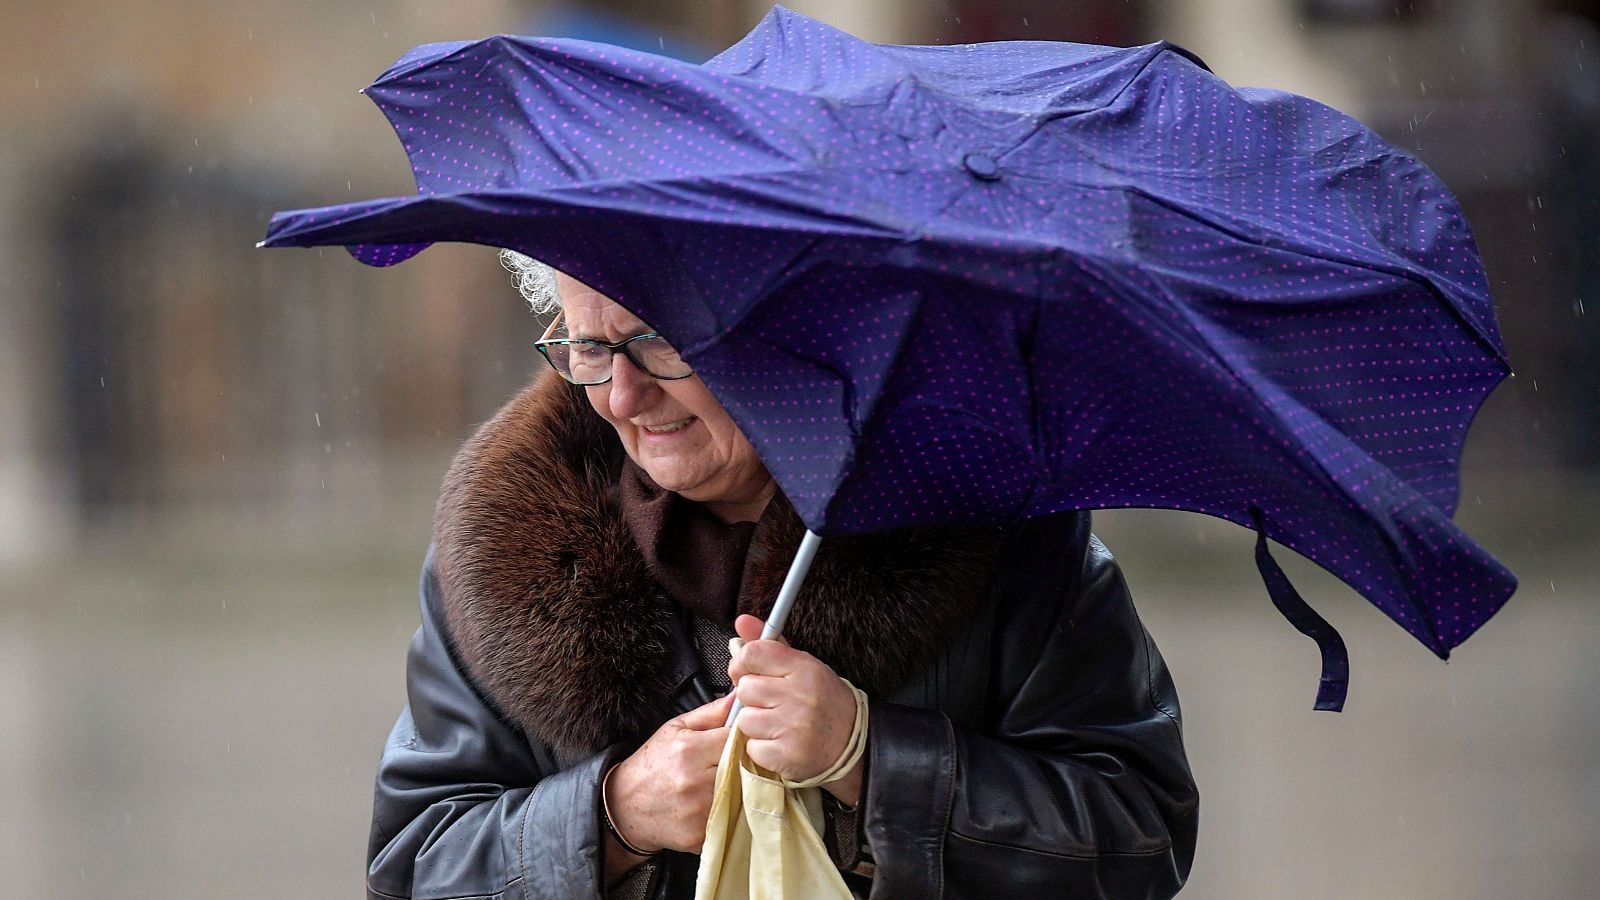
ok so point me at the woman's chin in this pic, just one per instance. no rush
(668, 471)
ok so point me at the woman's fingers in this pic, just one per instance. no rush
(798, 712)
(762, 724)
(767, 658)
(710, 716)
(749, 628)
(661, 794)
(763, 691)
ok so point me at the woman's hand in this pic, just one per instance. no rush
(798, 714)
(660, 797)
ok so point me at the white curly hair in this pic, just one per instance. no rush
(535, 281)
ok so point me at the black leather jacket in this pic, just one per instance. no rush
(1039, 756)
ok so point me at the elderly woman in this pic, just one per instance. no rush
(596, 544)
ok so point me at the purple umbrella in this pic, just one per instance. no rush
(978, 283)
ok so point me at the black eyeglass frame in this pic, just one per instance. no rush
(545, 343)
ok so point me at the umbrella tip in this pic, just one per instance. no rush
(260, 244)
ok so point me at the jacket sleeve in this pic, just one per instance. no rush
(464, 806)
(1077, 785)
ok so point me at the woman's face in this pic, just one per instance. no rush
(674, 430)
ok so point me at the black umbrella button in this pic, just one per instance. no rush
(981, 166)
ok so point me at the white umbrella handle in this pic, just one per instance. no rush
(786, 595)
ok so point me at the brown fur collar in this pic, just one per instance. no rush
(555, 614)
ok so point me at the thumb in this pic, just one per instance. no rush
(710, 716)
(749, 628)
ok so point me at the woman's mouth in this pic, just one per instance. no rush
(669, 427)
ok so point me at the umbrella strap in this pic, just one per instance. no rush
(1335, 659)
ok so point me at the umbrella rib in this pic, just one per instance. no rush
(831, 219)
(871, 420)
(727, 328)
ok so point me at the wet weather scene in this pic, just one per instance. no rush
(736, 451)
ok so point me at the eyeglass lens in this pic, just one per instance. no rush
(590, 362)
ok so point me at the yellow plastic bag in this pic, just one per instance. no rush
(763, 840)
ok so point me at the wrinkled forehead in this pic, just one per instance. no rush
(591, 314)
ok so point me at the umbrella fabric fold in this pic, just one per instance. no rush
(984, 282)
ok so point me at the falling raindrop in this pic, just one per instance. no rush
(318, 417)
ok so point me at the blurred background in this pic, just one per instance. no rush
(218, 464)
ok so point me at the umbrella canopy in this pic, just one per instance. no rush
(983, 282)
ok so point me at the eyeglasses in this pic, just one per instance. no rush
(588, 362)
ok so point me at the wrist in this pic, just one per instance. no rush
(847, 790)
(613, 814)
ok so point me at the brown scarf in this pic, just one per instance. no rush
(695, 556)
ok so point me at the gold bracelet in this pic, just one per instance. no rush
(605, 816)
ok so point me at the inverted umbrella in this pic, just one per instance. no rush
(985, 282)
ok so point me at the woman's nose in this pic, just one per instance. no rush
(632, 391)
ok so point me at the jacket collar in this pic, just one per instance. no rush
(556, 616)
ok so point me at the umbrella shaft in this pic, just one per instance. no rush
(786, 595)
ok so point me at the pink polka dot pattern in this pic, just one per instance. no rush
(975, 283)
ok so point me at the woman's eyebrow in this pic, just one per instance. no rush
(643, 329)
